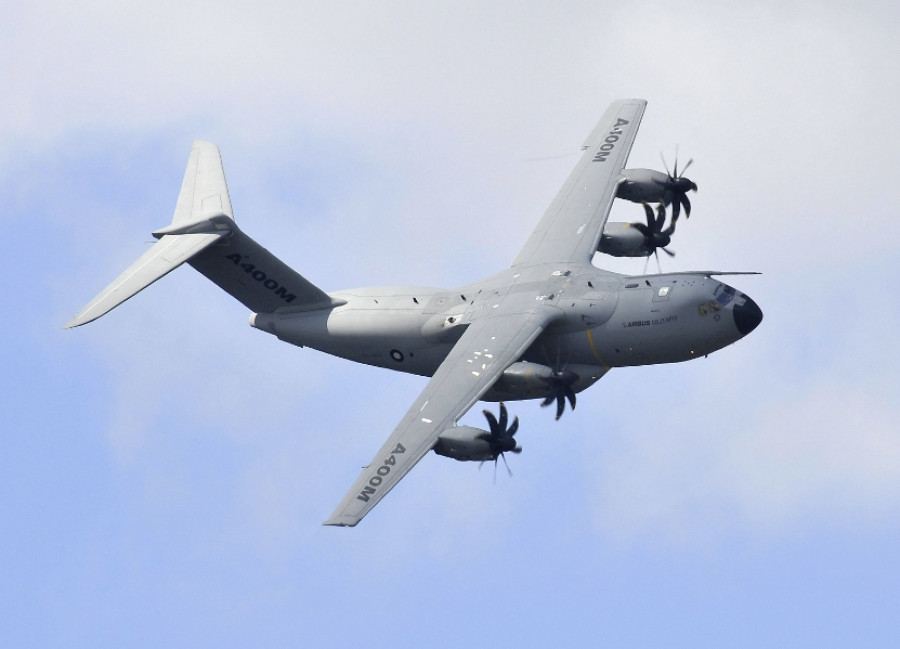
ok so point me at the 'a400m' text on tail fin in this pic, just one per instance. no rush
(204, 234)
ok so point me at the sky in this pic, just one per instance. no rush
(164, 471)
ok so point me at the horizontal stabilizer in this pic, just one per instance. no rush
(166, 255)
(203, 234)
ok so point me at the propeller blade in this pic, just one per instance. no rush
(501, 425)
(492, 423)
(651, 221)
(669, 231)
(643, 229)
(676, 208)
(560, 388)
(508, 470)
(500, 439)
(660, 216)
(687, 205)
(665, 166)
(570, 395)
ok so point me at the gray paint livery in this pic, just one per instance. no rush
(547, 327)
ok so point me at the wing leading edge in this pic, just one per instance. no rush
(571, 227)
(569, 232)
(485, 350)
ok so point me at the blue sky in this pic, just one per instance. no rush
(164, 471)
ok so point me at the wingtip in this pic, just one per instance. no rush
(77, 321)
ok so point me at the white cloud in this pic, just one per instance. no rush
(828, 456)
(793, 427)
(399, 142)
(828, 452)
(351, 133)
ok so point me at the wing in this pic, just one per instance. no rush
(571, 227)
(485, 350)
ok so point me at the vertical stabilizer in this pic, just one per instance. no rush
(204, 192)
(203, 233)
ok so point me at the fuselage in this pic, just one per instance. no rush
(606, 320)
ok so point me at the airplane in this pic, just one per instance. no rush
(547, 327)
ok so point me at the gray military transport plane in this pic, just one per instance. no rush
(548, 326)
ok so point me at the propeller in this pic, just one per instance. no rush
(501, 439)
(676, 187)
(561, 383)
(654, 236)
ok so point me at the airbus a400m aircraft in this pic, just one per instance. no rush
(547, 327)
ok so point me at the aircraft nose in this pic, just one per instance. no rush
(747, 316)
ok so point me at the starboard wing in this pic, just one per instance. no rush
(571, 227)
(485, 350)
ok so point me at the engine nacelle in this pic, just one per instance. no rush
(623, 240)
(643, 186)
(462, 443)
(525, 380)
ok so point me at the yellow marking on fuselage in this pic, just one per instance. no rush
(594, 351)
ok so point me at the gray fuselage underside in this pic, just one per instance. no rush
(606, 320)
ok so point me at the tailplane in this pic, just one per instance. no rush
(203, 233)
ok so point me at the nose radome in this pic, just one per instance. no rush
(747, 316)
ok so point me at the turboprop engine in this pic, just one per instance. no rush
(651, 186)
(637, 239)
(623, 240)
(466, 443)
(526, 380)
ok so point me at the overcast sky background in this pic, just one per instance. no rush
(164, 471)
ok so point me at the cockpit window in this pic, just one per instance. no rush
(725, 297)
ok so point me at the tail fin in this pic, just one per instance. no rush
(204, 234)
